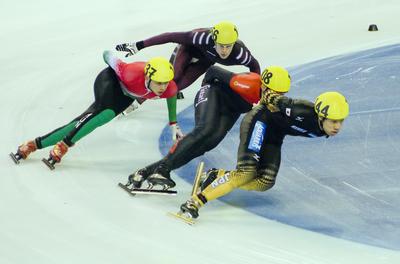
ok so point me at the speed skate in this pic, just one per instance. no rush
(184, 216)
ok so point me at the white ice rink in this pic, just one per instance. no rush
(51, 52)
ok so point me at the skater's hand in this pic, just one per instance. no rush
(175, 131)
(131, 48)
(272, 99)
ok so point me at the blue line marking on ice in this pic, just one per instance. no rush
(346, 186)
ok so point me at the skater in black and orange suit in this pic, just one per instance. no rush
(223, 97)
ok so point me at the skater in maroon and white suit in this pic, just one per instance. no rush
(197, 51)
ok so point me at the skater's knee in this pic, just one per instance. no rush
(100, 117)
(267, 177)
(89, 123)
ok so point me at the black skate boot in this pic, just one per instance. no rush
(161, 177)
(190, 208)
(210, 176)
(137, 178)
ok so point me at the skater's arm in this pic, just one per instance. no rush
(111, 60)
(169, 37)
(170, 95)
(254, 66)
(289, 106)
(171, 103)
(243, 56)
(176, 132)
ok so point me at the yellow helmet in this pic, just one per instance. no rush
(224, 33)
(276, 78)
(331, 105)
(159, 69)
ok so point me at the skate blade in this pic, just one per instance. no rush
(152, 191)
(179, 215)
(48, 164)
(14, 158)
(197, 178)
(125, 188)
(133, 191)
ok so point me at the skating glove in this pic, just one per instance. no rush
(175, 131)
(131, 48)
(270, 97)
(273, 99)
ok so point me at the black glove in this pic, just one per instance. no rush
(271, 98)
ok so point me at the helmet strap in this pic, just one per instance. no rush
(321, 125)
(320, 122)
(147, 84)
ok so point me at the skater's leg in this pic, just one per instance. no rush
(207, 123)
(109, 101)
(58, 134)
(249, 156)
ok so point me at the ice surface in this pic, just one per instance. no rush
(51, 54)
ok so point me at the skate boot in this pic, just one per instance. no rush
(191, 208)
(137, 178)
(23, 151)
(161, 177)
(56, 154)
(209, 177)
